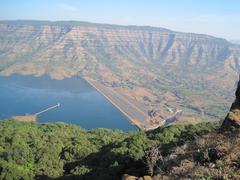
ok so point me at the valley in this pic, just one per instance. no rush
(155, 68)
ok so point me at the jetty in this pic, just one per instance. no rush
(33, 117)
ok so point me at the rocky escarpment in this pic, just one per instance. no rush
(74, 42)
(233, 118)
(155, 66)
(85, 48)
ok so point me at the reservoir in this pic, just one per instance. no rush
(80, 103)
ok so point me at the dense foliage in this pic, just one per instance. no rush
(29, 150)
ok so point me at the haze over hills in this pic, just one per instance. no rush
(155, 67)
(235, 41)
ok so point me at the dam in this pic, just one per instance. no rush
(135, 115)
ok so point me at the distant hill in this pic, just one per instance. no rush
(235, 41)
(154, 66)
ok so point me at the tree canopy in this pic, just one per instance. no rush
(30, 150)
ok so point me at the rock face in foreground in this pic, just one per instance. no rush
(233, 118)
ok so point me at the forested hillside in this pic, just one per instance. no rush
(57, 150)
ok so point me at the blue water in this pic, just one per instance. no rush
(80, 103)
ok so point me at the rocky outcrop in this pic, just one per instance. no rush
(232, 120)
(156, 177)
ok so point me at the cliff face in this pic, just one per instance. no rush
(158, 60)
(233, 118)
(76, 45)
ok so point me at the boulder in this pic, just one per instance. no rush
(129, 177)
(147, 178)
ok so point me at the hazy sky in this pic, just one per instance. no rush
(215, 17)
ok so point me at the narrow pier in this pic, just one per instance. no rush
(33, 117)
(48, 109)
